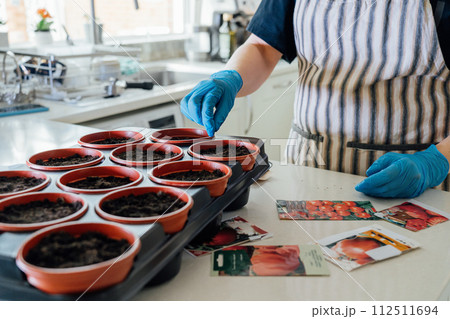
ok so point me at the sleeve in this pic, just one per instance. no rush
(273, 22)
(441, 12)
(443, 30)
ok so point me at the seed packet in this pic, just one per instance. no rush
(362, 246)
(280, 260)
(233, 231)
(413, 215)
(325, 210)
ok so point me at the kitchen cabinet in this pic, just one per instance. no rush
(266, 114)
(270, 113)
(161, 116)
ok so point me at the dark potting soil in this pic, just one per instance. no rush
(178, 138)
(226, 151)
(63, 250)
(96, 182)
(145, 205)
(145, 155)
(190, 175)
(65, 161)
(18, 183)
(38, 211)
(114, 140)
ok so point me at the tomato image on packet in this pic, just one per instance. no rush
(413, 216)
(233, 231)
(269, 260)
(325, 210)
(362, 246)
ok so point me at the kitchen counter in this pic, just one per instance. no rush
(422, 274)
(22, 137)
(92, 108)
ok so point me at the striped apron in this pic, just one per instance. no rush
(372, 80)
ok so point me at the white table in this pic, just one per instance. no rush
(20, 138)
(422, 274)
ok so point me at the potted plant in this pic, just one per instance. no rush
(42, 33)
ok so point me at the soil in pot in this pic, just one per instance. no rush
(38, 211)
(114, 140)
(96, 182)
(66, 161)
(145, 156)
(145, 205)
(18, 183)
(178, 138)
(191, 175)
(64, 250)
(226, 151)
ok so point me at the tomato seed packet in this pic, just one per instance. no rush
(280, 260)
(233, 231)
(413, 215)
(362, 246)
(325, 210)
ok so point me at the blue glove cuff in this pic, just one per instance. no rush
(438, 163)
(232, 77)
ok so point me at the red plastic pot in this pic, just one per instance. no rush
(90, 139)
(172, 222)
(31, 197)
(216, 186)
(247, 161)
(62, 153)
(25, 174)
(146, 147)
(85, 278)
(101, 171)
(167, 136)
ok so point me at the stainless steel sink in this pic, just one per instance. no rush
(165, 76)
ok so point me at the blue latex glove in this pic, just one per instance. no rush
(405, 175)
(218, 92)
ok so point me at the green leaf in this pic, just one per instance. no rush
(44, 25)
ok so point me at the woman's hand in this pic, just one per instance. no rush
(209, 103)
(405, 175)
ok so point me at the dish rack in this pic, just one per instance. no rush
(56, 77)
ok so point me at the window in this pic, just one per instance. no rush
(119, 18)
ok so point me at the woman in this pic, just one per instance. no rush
(372, 81)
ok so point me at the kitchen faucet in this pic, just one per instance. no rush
(94, 24)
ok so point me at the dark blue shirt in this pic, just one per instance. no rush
(279, 33)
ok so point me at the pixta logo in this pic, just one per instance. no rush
(333, 311)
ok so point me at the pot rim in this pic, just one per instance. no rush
(102, 213)
(201, 133)
(9, 227)
(31, 161)
(160, 180)
(117, 151)
(123, 133)
(255, 150)
(131, 170)
(26, 266)
(44, 184)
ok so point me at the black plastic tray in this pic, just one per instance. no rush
(160, 256)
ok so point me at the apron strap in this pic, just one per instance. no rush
(308, 135)
(388, 147)
(365, 146)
